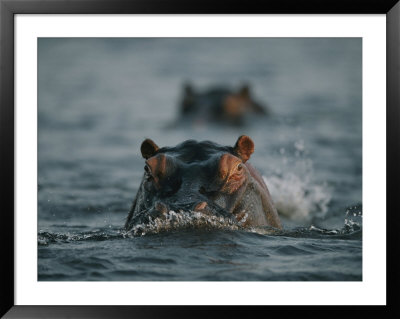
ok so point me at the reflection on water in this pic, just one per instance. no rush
(99, 98)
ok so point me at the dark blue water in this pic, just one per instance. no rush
(99, 98)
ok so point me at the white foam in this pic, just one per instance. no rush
(298, 198)
(183, 219)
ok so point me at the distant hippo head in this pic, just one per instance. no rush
(220, 105)
(204, 177)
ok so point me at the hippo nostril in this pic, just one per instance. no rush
(161, 207)
(200, 206)
(202, 190)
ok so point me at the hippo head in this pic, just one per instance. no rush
(220, 104)
(202, 177)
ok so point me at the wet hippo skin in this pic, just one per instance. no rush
(205, 177)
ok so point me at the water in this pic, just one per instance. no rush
(100, 98)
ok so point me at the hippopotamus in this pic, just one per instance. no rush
(202, 177)
(219, 105)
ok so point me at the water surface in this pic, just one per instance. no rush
(99, 98)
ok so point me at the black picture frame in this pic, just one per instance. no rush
(8, 10)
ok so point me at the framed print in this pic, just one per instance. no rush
(160, 155)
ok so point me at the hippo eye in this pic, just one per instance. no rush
(239, 167)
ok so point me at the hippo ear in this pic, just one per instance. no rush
(244, 91)
(244, 147)
(148, 148)
(188, 89)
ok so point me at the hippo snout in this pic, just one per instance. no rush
(164, 208)
(200, 206)
(161, 207)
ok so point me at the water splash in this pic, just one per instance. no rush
(183, 220)
(352, 227)
(353, 218)
(298, 199)
(352, 223)
(189, 220)
(45, 237)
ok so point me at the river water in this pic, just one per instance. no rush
(98, 99)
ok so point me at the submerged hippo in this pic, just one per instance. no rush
(219, 105)
(204, 177)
